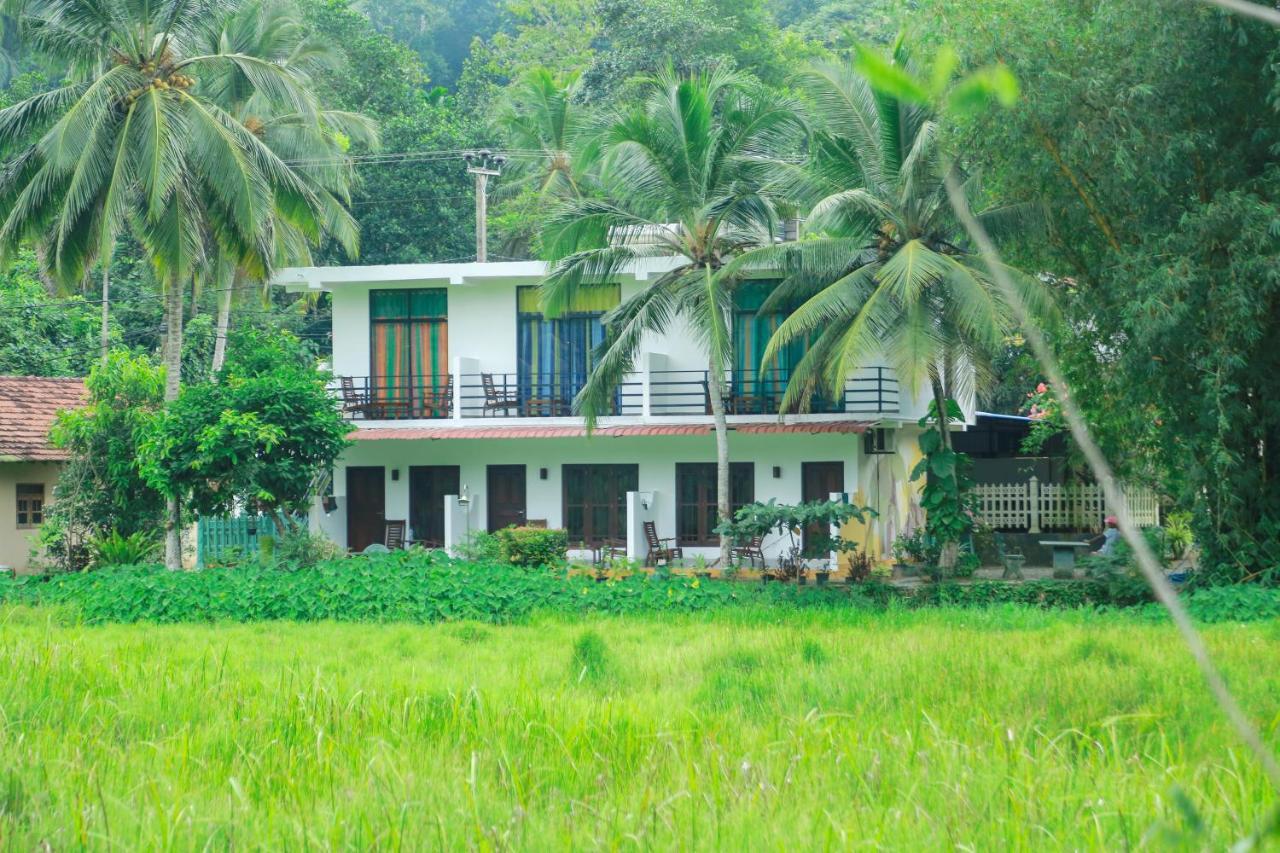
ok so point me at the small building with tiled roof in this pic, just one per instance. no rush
(29, 463)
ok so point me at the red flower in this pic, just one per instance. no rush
(1041, 388)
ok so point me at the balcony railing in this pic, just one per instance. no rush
(378, 398)
(503, 395)
(872, 392)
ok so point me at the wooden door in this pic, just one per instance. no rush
(817, 481)
(505, 496)
(428, 484)
(366, 506)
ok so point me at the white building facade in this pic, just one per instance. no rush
(458, 387)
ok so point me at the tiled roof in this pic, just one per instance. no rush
(28, 405)
(630, 430)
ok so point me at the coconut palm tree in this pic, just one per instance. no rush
(683, 174)
(555, 147)
(134, 141)
(886, 270)
(541, 117)
(314, 142)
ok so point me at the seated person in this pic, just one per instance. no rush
(1110, 535)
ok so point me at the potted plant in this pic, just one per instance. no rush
(910, 551)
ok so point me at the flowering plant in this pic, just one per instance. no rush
(1046, 418)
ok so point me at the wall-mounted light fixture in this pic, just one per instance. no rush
(464, 500)
(646, 500)
(395, 475)
(777, 472)
(542, 473)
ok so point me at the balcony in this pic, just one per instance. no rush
(506, 395)
(872, 392)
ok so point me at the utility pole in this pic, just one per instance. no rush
(483, 164)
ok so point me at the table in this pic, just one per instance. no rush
(1064, 552)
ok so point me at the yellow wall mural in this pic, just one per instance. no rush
(884, 484)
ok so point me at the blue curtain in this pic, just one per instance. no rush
(554, 356)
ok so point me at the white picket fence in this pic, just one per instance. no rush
(1034, 506)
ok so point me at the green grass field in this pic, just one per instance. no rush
(924, 730)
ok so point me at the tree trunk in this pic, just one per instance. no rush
(950, 551)
(172, 385)
(105, 338)
(225, 293)
(715, 389)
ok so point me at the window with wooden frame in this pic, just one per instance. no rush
(696, 499)
(595, 501)
(30, 504)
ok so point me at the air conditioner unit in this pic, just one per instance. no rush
(880, 441)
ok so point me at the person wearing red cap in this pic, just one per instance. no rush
(1110, 535)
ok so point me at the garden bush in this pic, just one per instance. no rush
(533, 546)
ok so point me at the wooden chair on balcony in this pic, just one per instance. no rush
(393, 535)
(659, 549)
(353, 402)
(495, 401)
(752, 551)
(437, 402)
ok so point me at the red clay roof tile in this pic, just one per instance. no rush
(28, 405)
(629, 430)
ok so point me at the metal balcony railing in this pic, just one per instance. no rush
(509, 395)
(872, 392)
(400, 398)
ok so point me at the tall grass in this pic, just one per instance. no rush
(989, 729)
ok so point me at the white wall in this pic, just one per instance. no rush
(656, 456)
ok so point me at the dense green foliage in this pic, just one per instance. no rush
(1157, 157)
(426, 586)
(263, 434)
(101, 489)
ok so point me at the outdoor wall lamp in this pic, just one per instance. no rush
(542, 473)
(464, 500)
(646, 500)
(777, 472)
(395, 475)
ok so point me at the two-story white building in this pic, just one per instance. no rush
(457, 386)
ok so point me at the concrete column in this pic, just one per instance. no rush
(468, 368)
(637, 515)
(1033, 498)
(457, 524)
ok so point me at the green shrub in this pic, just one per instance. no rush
(533, 546)
(113, 549)
(303, 549)
(481, 546)
(1235, 603)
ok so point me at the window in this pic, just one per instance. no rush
(409, 348)
(696, 498)
(595, 501)
(554, 356)
(30, 504)
(759, 391)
